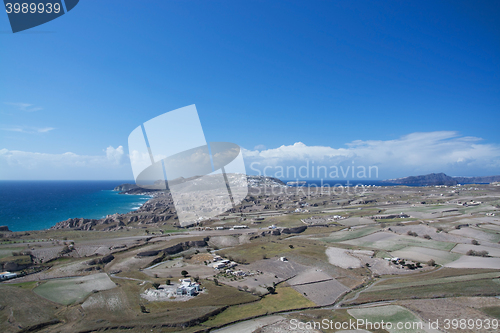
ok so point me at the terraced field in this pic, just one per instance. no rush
(345, 235)
(392, 242)
(72, 290)
(464, 248)
(423, 255)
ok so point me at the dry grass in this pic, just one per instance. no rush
(486, 287)
(285, 298)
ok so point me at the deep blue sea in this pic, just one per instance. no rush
(36, 205)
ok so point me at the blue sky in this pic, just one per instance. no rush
(412, 87)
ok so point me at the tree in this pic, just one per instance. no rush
(184, 273)
(290, 246)
(216, 282)
(156, 285)
(271, 290)
(168, 282)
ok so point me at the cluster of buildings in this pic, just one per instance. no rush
(187, 287)
(390, 216)
(220, 263)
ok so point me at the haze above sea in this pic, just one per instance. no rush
(36, 205)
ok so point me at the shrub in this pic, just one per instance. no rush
(431, 262)
(216, 282)
(474, 242)
(412, 233)
(427, 237)
(290, 246)
(477, 253)
(271, 290)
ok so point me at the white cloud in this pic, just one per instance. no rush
(25, 107)
(412, 154)
(16, 164)
(115, 155)
(24, 129)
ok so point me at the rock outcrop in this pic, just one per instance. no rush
(296, 230)
(179, 247)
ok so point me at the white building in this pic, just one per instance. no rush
(7, 275)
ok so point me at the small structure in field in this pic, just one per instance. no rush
(7, 276)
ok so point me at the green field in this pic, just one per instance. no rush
(484, 287)
(427, 282)
(393, 314)
(493, 311)
(72, 290)
(284, 299)
(340, 236)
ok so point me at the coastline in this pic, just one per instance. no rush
(40, 205)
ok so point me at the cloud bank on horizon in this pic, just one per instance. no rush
(413, 154)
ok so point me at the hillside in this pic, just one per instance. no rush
(441, 179)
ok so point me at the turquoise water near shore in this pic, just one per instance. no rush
(36, 205)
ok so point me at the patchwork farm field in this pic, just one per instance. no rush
(393, 314)
(475, 262)
(393, 242)
(485, 234)
(286, 298)
(427, 281)
(422, 254)
(479, 287)
(343, 267)
(345, 235)
(342, 258)
(354, 221)
(464, 248)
